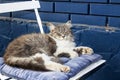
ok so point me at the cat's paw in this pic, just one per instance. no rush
(84, 50)
(64, 68)
(53, 66)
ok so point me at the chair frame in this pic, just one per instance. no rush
(24, 5)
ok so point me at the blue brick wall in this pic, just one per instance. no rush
(68, 7)
(105, 9)
(93, 12)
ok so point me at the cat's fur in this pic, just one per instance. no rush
(41, 51)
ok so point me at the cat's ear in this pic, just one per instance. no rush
(68, 24)
(51, 26)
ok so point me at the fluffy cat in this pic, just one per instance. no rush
(40, 52)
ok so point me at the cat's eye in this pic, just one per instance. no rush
(59, 34)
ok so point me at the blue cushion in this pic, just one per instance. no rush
(106, 55)
(115, 63)
(76, 65)
(99, 40)
(111, 71)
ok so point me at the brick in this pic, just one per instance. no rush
(71, 7)
(87, 19)
(46, 6)
(113, 21)
(90, 0)
(105, 9)
(54, 17)
(24, 15)
(115, 1)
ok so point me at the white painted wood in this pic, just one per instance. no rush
(3, 77)
(39, 20)
(87, 69)
(24, 5)
(18, 6)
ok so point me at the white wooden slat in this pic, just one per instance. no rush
(39, 20)
(18, 6)
(3, 77)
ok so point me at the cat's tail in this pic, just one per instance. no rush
(26, 63)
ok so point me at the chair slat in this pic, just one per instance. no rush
(18, 6)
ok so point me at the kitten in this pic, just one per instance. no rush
(40, 52)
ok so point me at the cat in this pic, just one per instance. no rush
(41, 52)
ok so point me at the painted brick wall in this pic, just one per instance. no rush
(93, 12)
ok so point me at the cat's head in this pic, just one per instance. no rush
(61, 31)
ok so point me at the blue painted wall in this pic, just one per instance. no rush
(93, 12)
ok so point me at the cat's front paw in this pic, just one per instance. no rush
(62, 68)
(53, 66)
(84, 50)
(65, 68)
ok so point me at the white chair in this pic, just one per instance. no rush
(24, 5)
(34, 4)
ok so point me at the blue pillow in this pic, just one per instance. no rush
(100, 40)
(111, 71)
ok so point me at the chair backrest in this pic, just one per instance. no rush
(24, 5)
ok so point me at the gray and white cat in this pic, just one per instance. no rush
(40, 52)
